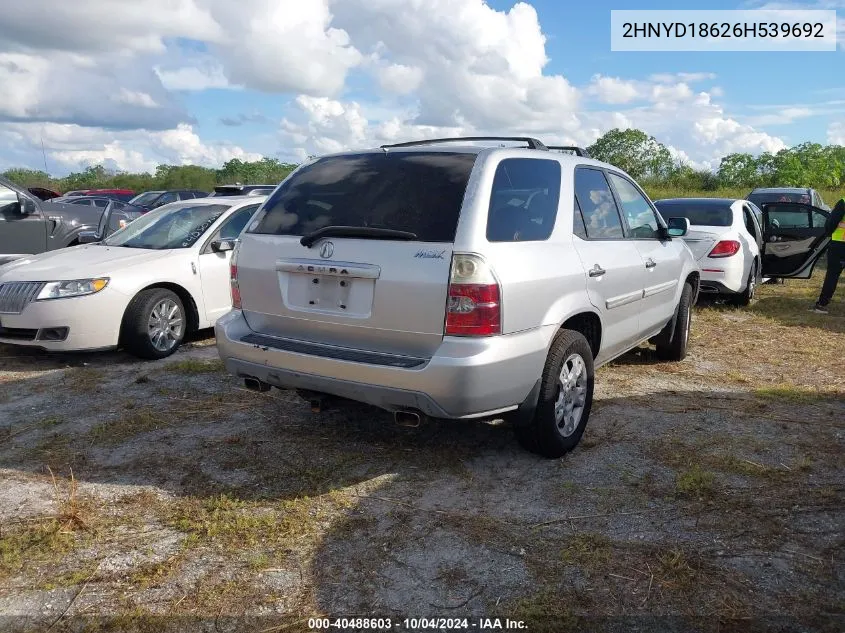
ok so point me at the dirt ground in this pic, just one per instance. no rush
(706, 495)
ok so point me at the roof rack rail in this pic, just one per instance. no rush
(532, 143)
(578, 151)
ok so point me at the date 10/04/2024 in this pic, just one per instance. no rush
(416, 624)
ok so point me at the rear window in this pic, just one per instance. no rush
(698, 214)
(418, 192)
(773, 196)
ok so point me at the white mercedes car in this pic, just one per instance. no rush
(736, 244)
(142, 288)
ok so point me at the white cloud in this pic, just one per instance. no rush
(193, 78)
(668, 78)
(479, 64)
(613, 89)
(438, 67)
(135, 98)
(836, 133)
(783, 116)
(73, 147)
(399, 78)
(272, 45)
(658, 88)
(69, 89)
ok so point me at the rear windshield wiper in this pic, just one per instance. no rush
(366, 232)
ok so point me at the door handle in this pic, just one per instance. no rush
(650, 263)
(597, 271)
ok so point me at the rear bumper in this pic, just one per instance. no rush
(466, 377)
(730, 280)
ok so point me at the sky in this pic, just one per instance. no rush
(132, 85)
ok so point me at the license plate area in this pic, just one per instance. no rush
(341, 288)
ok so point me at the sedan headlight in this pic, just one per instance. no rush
(75, 288)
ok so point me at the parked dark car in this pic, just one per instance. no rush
(243, 190)
(801, 195)
(124, 195)
(29, 225)
(150, 200)
(42, 193)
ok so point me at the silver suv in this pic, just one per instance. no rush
(448, 279)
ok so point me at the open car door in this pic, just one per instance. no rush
(794, 239)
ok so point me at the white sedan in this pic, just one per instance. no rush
(142, 288)
(737, 244)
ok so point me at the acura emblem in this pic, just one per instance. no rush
(326, 250)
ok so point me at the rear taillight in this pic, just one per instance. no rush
(233, 278)
(474, 304)
(725, 248)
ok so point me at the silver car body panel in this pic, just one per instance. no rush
(394, 304)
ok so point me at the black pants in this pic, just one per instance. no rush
(835, 264)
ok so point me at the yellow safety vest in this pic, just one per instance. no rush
(839, 232)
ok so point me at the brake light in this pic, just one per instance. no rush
(725, 248)
(474, 304)
(233, 279)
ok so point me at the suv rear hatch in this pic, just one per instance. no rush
(355, 251)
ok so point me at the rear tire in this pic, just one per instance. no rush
(675, 348)
(565, 400)
(745, 297)
(154, 324)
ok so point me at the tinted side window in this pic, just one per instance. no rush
(641, 219)
(787, 217)
(524, 199)
(166, 198)
(601, 216)
(100, 202)
(578, 226)
(232, 227)
(749, 221)
(418, 192)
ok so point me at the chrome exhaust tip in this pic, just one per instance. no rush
(253, 384)
(407, 418)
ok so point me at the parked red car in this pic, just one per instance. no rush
(124, 195)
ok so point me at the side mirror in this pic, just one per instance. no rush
(677, 227)
(27, 206)
(88, 237)
(221, 246)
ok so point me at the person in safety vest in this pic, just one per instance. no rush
(835, 228)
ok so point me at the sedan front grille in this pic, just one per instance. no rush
(16, 295)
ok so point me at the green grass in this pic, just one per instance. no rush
(84, 378)
(656, 192)
(587, 550)
(236, 524)
(196, 366)
(134, 422)
(695, 482)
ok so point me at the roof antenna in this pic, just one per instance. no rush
(44, 156)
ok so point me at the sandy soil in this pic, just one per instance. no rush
(148, 496)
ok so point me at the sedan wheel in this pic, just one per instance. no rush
(165, 325)
(154, 324)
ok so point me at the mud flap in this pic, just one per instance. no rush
(524, 414)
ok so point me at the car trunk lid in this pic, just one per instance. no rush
(702, 239)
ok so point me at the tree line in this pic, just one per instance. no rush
(642, 156)
(646, 159)
(264, 171)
